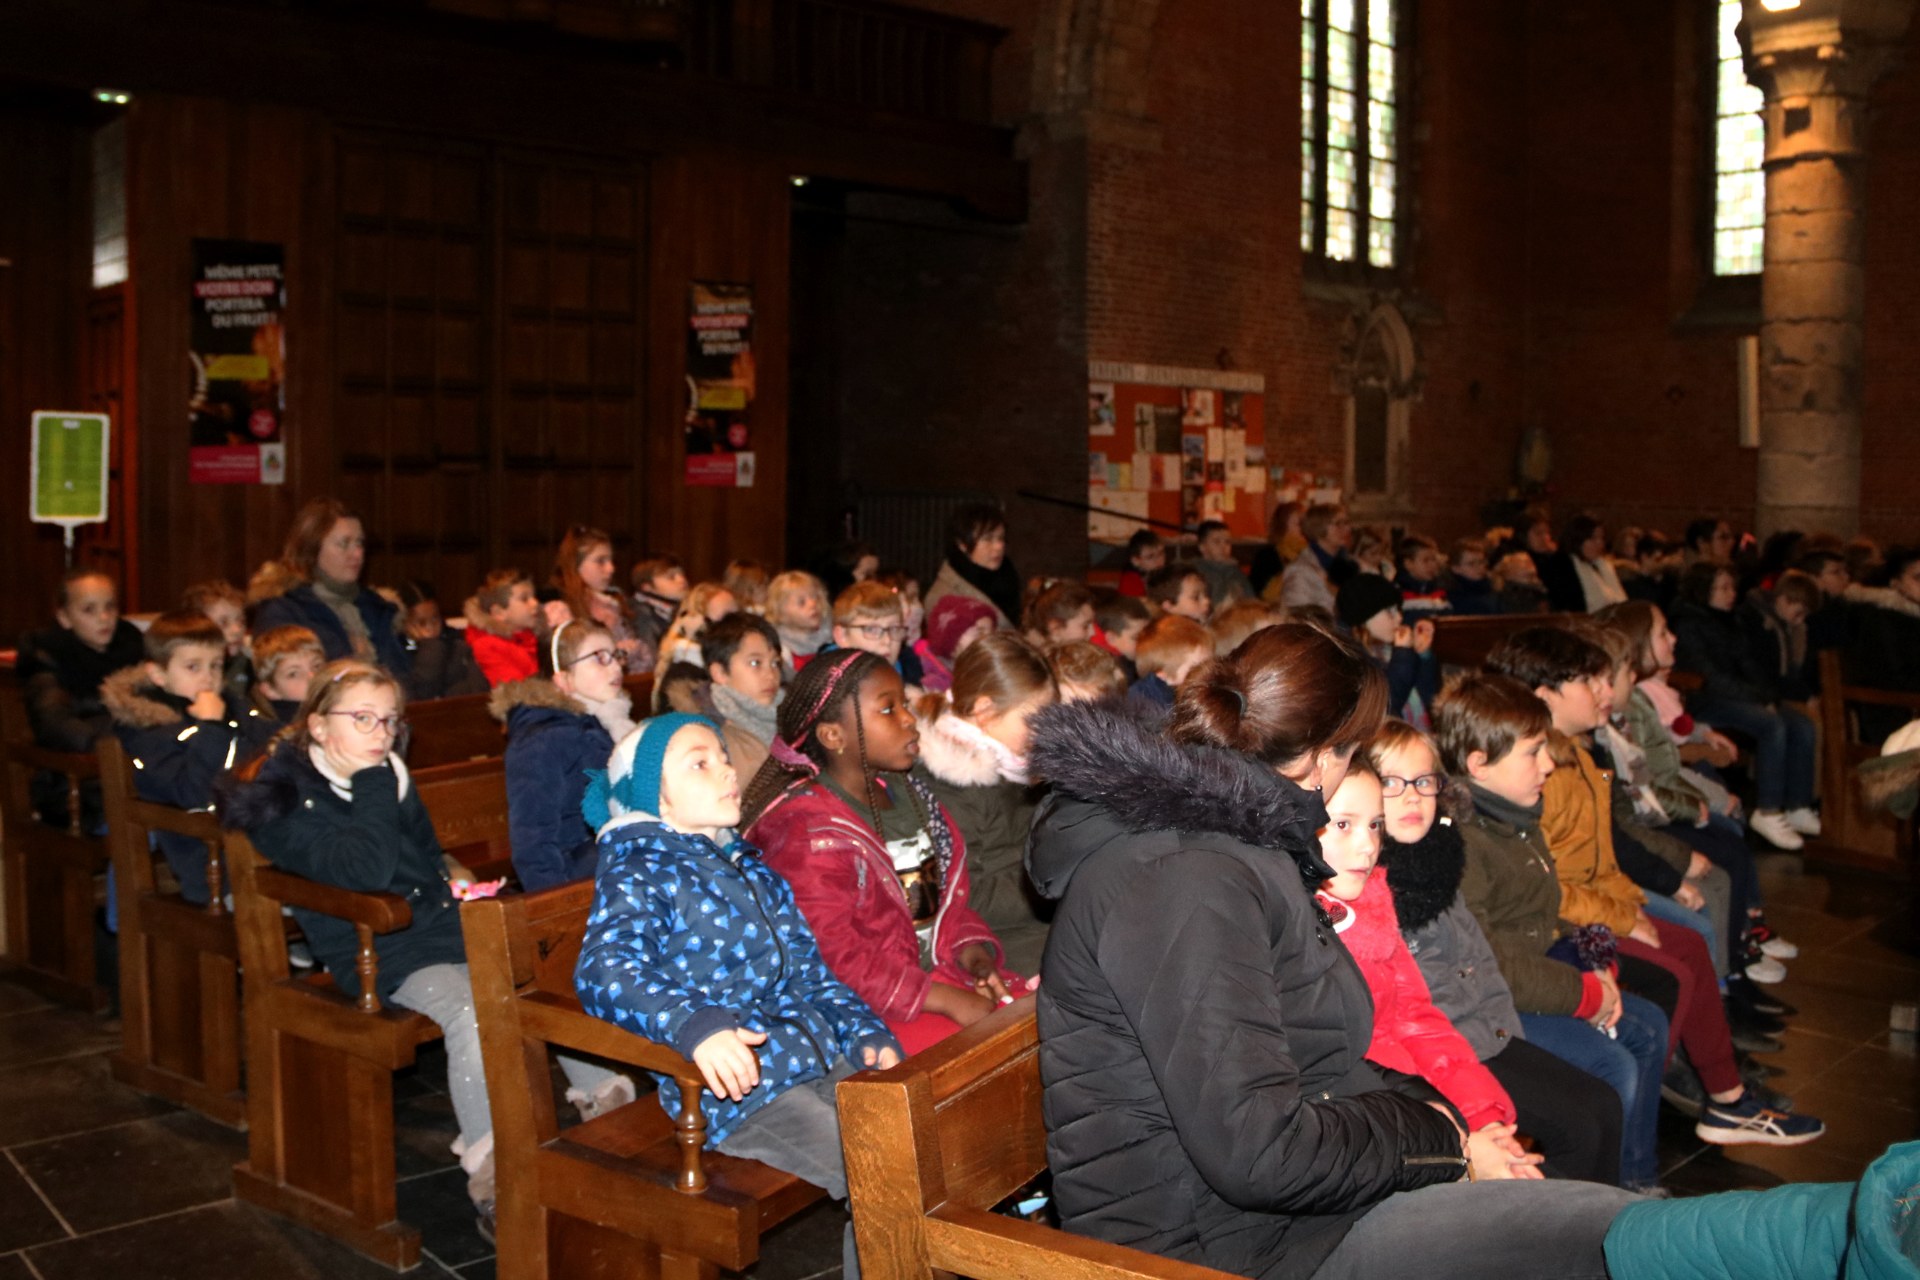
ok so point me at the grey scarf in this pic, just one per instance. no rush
(759, 721)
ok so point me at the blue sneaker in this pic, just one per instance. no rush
(1730, 1124)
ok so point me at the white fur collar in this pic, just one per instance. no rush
(342, 785)
(961, 754)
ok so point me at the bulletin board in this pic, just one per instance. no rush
(1175, 445)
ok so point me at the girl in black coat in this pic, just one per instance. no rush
(1203, 1031)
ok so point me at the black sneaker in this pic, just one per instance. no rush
(483, 1223)
(1743, 991)
(1754, 1042)
(1682, 1090)
(1746, 1121)
(1750, 1019)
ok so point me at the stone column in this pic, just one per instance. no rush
(1816, 61)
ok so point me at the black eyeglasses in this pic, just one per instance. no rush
(1427, 784)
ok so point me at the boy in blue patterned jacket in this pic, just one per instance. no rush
(695, 943)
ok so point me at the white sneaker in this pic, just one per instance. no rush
(1805, 821)
(1771, 826)
(1779, 948)
(1766, 969)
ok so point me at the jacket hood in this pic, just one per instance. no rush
(477, 618)
(137, 704)
(247, 804)
(1114, 776)
(1425, 876)
(535, 691)
(949, 755)
(271, 580)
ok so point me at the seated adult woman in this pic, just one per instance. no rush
(1203, 1031)
(316, 584)
(977, 565)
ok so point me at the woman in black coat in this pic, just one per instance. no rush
(1203, 1030)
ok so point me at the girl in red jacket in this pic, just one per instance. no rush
(1409, 1034)
(877, 866)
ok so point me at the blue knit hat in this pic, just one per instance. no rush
(630, 784)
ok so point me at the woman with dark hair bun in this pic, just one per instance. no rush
(1204, 1033)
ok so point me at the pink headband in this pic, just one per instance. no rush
(789, 753)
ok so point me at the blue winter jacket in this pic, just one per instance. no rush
(687, 939)
(551, 743)
(301, 607)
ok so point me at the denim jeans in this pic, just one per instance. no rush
(1633, 1064)
(1783, 747)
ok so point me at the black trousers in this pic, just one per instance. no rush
(1572, 1117)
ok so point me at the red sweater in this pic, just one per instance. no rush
(1409, 1034)
(845, 885)
(504, 658)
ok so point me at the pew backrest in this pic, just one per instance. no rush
(934, 1144)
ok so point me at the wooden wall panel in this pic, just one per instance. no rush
(199, 168)
(722, 217)
(45, 243)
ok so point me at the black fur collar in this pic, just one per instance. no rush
(1109, 758)
(1425, 876)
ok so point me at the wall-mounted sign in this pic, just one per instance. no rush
(720, 385)
(237, 386)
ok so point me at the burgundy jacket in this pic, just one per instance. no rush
(845, 886)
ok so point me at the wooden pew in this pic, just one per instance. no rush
(51, 874)
(320, 1066)
(933, 1144)
(1466, 641)
(630, 1195)
(179, 962)
(446, 731)
(1850, 832)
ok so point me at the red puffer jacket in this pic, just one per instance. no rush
(1409, 1034)
(845, 885)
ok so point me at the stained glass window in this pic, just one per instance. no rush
(1739, 146)
(1349, 161)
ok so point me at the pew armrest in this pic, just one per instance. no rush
(380, 912)
(563, 1024)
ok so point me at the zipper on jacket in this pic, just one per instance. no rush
(1458, 1162)
(779, 944)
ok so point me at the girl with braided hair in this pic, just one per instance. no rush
(877, 865)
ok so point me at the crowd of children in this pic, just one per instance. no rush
(811, 848)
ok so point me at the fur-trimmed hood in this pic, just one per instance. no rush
(136, 703)
(273, 792)
(1890, 782)
(1115, 776)
(272, 580)
(477, 618)
(953, 755)
(535, 691)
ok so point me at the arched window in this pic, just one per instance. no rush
(1739, 146)
(1350, 164)
(1380, 377)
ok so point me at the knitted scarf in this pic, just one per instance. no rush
(760, 722)
(344, 599)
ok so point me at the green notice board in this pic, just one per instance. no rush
(69, 480)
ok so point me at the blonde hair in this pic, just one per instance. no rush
(274, 646)
(690, 621)
(785, 587)
(1239, 620)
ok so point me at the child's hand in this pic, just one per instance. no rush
(964, 1007)
(728, 1062)
(1611, 1006)
(207, 705)
(556, 612)
(978, 959)
(1402, 636)
(1706, 815)
(1643, 930)
(1689, 897)
(1423, 636)
(1699, 864)
(880, 1058)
